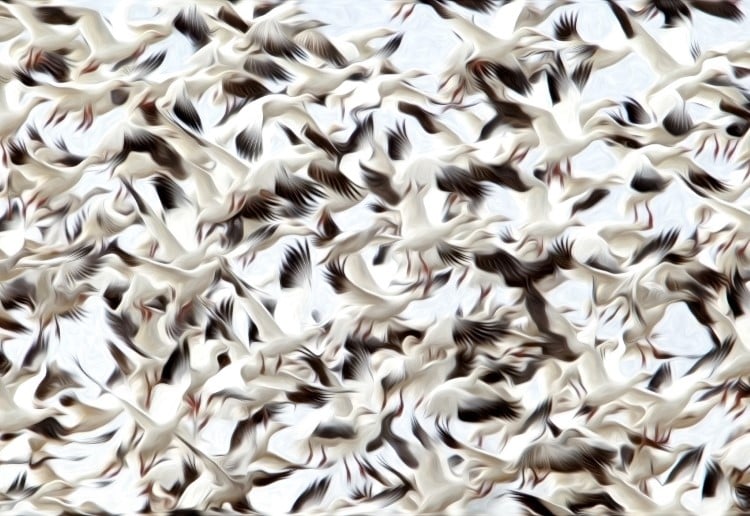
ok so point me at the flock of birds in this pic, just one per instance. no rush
(286, 274)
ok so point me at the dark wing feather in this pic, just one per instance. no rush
(398, 142)
(703, 179)
(424, 118)
(54, 15)
(245, 87)
(456, 180)
(514, 79)
(711, 479)
(595, 197)
(689, 459)
(451, 254)
(190, 23)
(469, 332)
(566, 27)
(636, 113)
(186, 112)
(722, 9)
(581, 74)
(502, 174)
(231, 18)
(295, 268)
(267, 69)
(317, 44)
(661, 243)
(327, 173)
(169, 192)
(313, 493)
(622, 18)
(380, 185)
(249, 143)
(480, 6)
(660, 377)
(648, 180)
(678, 122)
(391, 45)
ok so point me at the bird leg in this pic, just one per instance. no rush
(481, 491)
(145, 311)
(61, 118)
(650, 216)
(149, 392)
(409, 10)
(310, 455)
(659, 438)
(369, 330)
(536, 480)
(194, 402)
(700, 149)
(247, 259)
(740, 251)
(730, 148)
(483, 293)
(91, 67)
(583, 387)
(717, 148)
(514, 158)
(556, 171)
(362, 469)
(51, 117)
(463, 276)
(642, 354)
(323, 459)
(88, 118)
(458, 94)
(575, 388)
(725, 246)
(426, 270)
(30, 58)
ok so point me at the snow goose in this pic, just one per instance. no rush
(659, 59)
(372, 306)
(388, 88)
(106, 48)
(40, 34)
(274, 341)
(361, 42)
(571, 452)
(680, 11)
(418, 235)
(319, 82)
